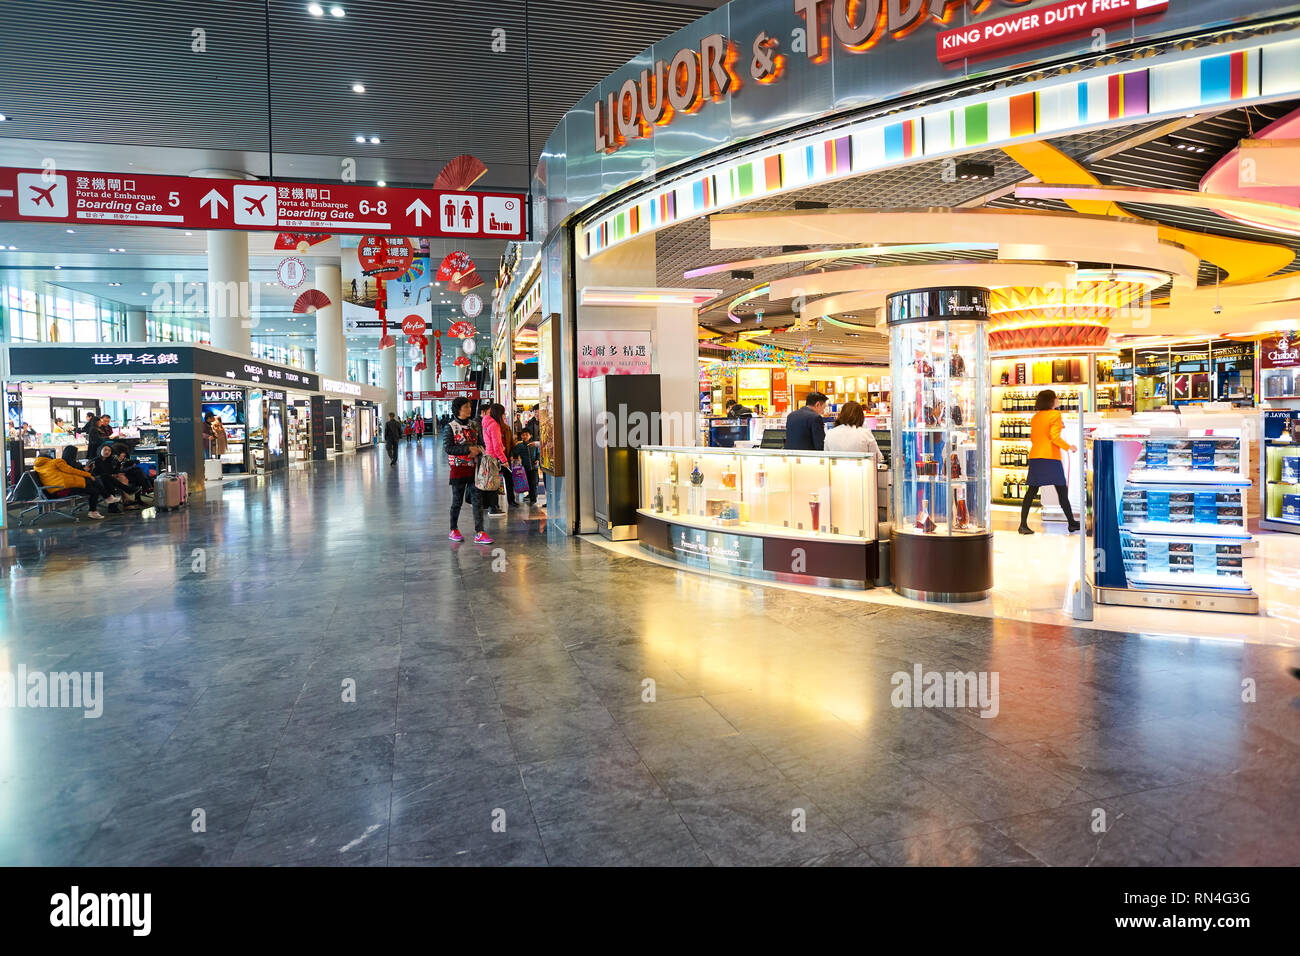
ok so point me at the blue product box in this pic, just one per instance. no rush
(1206, 508)
(1157, 506)
(1291, 507)
(1291, 470)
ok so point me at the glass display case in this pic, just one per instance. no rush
(803, 516)
(795, 494)
(1279, 470)
(1172, 504)
(940, 444)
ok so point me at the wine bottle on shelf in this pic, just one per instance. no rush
(1006, 487)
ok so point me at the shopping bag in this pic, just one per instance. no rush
(521, 479)
(487, 474)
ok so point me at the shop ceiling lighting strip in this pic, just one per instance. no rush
(1051, 107)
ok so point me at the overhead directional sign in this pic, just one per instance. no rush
(91, 198)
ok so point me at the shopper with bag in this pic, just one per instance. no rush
(497, 439)
(462, 442)
(525, 468)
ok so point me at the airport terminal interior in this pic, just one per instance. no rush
(766, 433)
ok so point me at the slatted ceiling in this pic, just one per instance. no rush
(88, 71)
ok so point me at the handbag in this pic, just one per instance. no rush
(520, 478)
(487, 474)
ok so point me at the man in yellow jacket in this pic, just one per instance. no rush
(59, 474)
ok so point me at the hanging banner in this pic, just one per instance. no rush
(189, 202)
(603, 352)
(407, 294)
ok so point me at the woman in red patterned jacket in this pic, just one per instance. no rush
(463, 443)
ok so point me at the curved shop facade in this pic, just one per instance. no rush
(712, 139)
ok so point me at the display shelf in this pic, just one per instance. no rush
(1189, 529)
(1186, 477)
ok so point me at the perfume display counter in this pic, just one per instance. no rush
(806, 517)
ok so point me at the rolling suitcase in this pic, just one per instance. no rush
(170, 490)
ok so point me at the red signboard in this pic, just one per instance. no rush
(413, 325)
(385, 257)
(185, 202)
(1039, 25)
(1280, 351)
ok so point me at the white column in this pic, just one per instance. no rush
(137, 328)
(388, 378)
(229, 293)
(331, 346)
(309, 356)
(363, 371)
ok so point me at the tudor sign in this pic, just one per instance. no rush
(187, 202)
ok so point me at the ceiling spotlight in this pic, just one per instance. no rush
(361, 139)
(13, 248)
(381, 183)
(58, 267)
(115, 284)
(72, 232)
(374, 140)
(144, 293)
(189, 233)
(3, 117)
(315, 9)
(969, 169)
(337, 11)
(358, 88)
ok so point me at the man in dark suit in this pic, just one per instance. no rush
(804, 428)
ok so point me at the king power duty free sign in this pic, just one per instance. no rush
(185, 202)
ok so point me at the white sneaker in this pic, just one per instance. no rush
(111, 499)
(95, 514)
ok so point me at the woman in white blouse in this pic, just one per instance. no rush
(850, 433)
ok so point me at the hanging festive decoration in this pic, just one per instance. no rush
(461, 360)
(768, 355)
(414, 326)
(460, 173)
(310, 301)
(468, 346)
(462, 330)
(454, 265)
(297, 241)
(470, 280)
(437, 357)
(384, 257)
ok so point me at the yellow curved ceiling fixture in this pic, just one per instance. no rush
(1244, 260)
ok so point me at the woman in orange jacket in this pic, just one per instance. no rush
(1045, 468)
(59, 474)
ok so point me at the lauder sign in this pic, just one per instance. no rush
(697, 76)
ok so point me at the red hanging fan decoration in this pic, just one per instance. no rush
(455, 265)
(471, 280)
(310, 301)
(297, 241)
(460, 173)
(384, 257)
(462, 330)
(462, 360)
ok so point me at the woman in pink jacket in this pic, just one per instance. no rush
(497, 439)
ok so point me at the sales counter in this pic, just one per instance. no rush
(800, 516)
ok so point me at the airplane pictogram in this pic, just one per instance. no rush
(45, 194)
(250, 203)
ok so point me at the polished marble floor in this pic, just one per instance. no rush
(502, 710)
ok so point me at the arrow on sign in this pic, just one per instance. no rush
(214, 198)
(421, 210)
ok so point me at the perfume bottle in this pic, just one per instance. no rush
(697, 476)
(760, 478)
(815, 507)
(675, 505)
(659, 502)
(728, 477)
(672, 470)
(954, 467)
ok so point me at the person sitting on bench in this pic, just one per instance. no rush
(62, 474)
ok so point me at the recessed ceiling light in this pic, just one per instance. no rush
(361, 139)
(381, 183)
(72, 232)
(13, 248)
(315, 9)
(374, 140)
(3, 117)
(144, 293)
(358, 88)
(58, 267)
(337, 11)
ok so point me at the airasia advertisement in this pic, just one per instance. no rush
(185, 202)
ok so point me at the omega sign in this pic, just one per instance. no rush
(695, 77)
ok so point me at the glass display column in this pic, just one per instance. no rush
(942, 545)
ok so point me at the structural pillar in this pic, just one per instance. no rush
(331, 345)
(230, 294)
(137, 326)
(363, 371)
(309, 356)
(388, 380)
